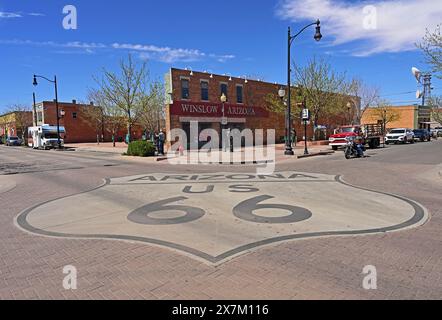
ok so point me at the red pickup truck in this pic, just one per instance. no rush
(371, 135)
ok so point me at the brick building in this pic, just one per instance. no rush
(196, 96)
(412, 117)
(79, 127)
(15, 123)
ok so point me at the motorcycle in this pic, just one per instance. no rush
(351, 150)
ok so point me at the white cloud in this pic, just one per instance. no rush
(151, 52)
(8, 15)
(36, 14)
(400, 23)
(163, 54)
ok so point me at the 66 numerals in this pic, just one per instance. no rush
(242, 310)
(244, 211)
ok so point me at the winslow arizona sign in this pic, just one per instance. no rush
(214, 217)
(216, 110)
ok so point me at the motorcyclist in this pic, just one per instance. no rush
(357, 144)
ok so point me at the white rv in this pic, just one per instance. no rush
(45, 137)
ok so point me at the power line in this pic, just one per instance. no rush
(398, 94)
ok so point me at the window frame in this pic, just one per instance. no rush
(242, 93)
(182, 88)
(221, 84)
(208, 90)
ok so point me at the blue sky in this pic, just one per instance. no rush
(240, 37)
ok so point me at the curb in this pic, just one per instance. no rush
(321, 153)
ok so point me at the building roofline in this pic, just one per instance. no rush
(12, 112)
(226, 76)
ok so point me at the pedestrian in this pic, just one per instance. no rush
(156, 141)
(161, 141)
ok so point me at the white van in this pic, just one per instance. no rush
(45, 137)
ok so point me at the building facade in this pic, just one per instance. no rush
(412, 117)
(15, 124)
(80, 128)
(196, 96)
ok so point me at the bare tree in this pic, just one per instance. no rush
(436, 108)
(431, 46)
(125, 90)
(384, 113)
(23, 119)
(152, 107)
(362, 96)
(323, 88)
(104, 114)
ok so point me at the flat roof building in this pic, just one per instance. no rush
(196, 96)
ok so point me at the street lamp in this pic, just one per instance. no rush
(35, 83)
(385, 125)
(281, 94)
(349, 114)
(317, 37)
(223, 99)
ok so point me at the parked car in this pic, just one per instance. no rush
(422, 135)
(438, 131)
(13, 141)
(400, 135)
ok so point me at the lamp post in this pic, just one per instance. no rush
(385, 126)
(223, 99)
(317, 37)
(34, 110)
(349, 114)
(35, 83)
(281, 94)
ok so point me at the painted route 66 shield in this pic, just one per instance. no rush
(214, 217)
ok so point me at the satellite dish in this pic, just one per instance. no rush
(416, 73)
(419, 94)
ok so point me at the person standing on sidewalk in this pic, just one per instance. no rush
(161, 141)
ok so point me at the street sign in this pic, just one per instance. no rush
(305, 116)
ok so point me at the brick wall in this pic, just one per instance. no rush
(407, 117)
(255, 94)
(79, 127)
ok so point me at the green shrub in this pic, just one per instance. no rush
(141, 149)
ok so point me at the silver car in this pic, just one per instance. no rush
(401, 135)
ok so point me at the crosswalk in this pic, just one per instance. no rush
(21, 160)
